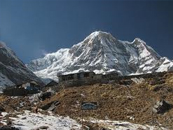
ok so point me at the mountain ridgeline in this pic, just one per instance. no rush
(12, 70)
(102, 53)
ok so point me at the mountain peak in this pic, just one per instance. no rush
(98, 34)
(138, 41)
(101, 52)
(99, 37)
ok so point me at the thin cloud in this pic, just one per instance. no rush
(43, 52)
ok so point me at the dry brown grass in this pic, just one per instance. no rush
(117, 102)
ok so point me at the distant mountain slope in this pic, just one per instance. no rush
(12, 70)
(101, 52)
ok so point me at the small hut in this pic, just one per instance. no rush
(22, 89)
(76, 76)
(51, 85)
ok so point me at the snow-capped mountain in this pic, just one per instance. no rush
(101, 52)
(12, 70)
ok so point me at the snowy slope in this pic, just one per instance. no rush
(33, 121)
(4, 81)
(101, 52)
(12, 70)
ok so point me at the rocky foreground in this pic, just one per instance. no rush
(123, 103)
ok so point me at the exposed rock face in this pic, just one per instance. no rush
(101, 52)
(12, 70)
(161, 107)
(2, 109)
(45, 95)
(8, 128)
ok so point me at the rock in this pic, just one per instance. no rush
(9, 122)
(161, 107)
(157, 87)
(45, 95)
(2, 109)
(42, 128)
(8, 128)
(138, 80)
(50, 106)
(157, 81)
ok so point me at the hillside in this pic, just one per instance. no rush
(123, 103)
(132, 102)
(12, 69)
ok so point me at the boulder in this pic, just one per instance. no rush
(161, 107)
(8, 128)
(45, 95)
(50, 106)
(2, 109)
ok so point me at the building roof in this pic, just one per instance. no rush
(74, 73)
(52, 83)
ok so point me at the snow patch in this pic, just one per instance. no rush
(28, 121)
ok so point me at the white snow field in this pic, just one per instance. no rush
(33, 121)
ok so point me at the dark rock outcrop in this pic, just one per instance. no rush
(161, 107)
(13, 69)
(8, 128)
(45, 95)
